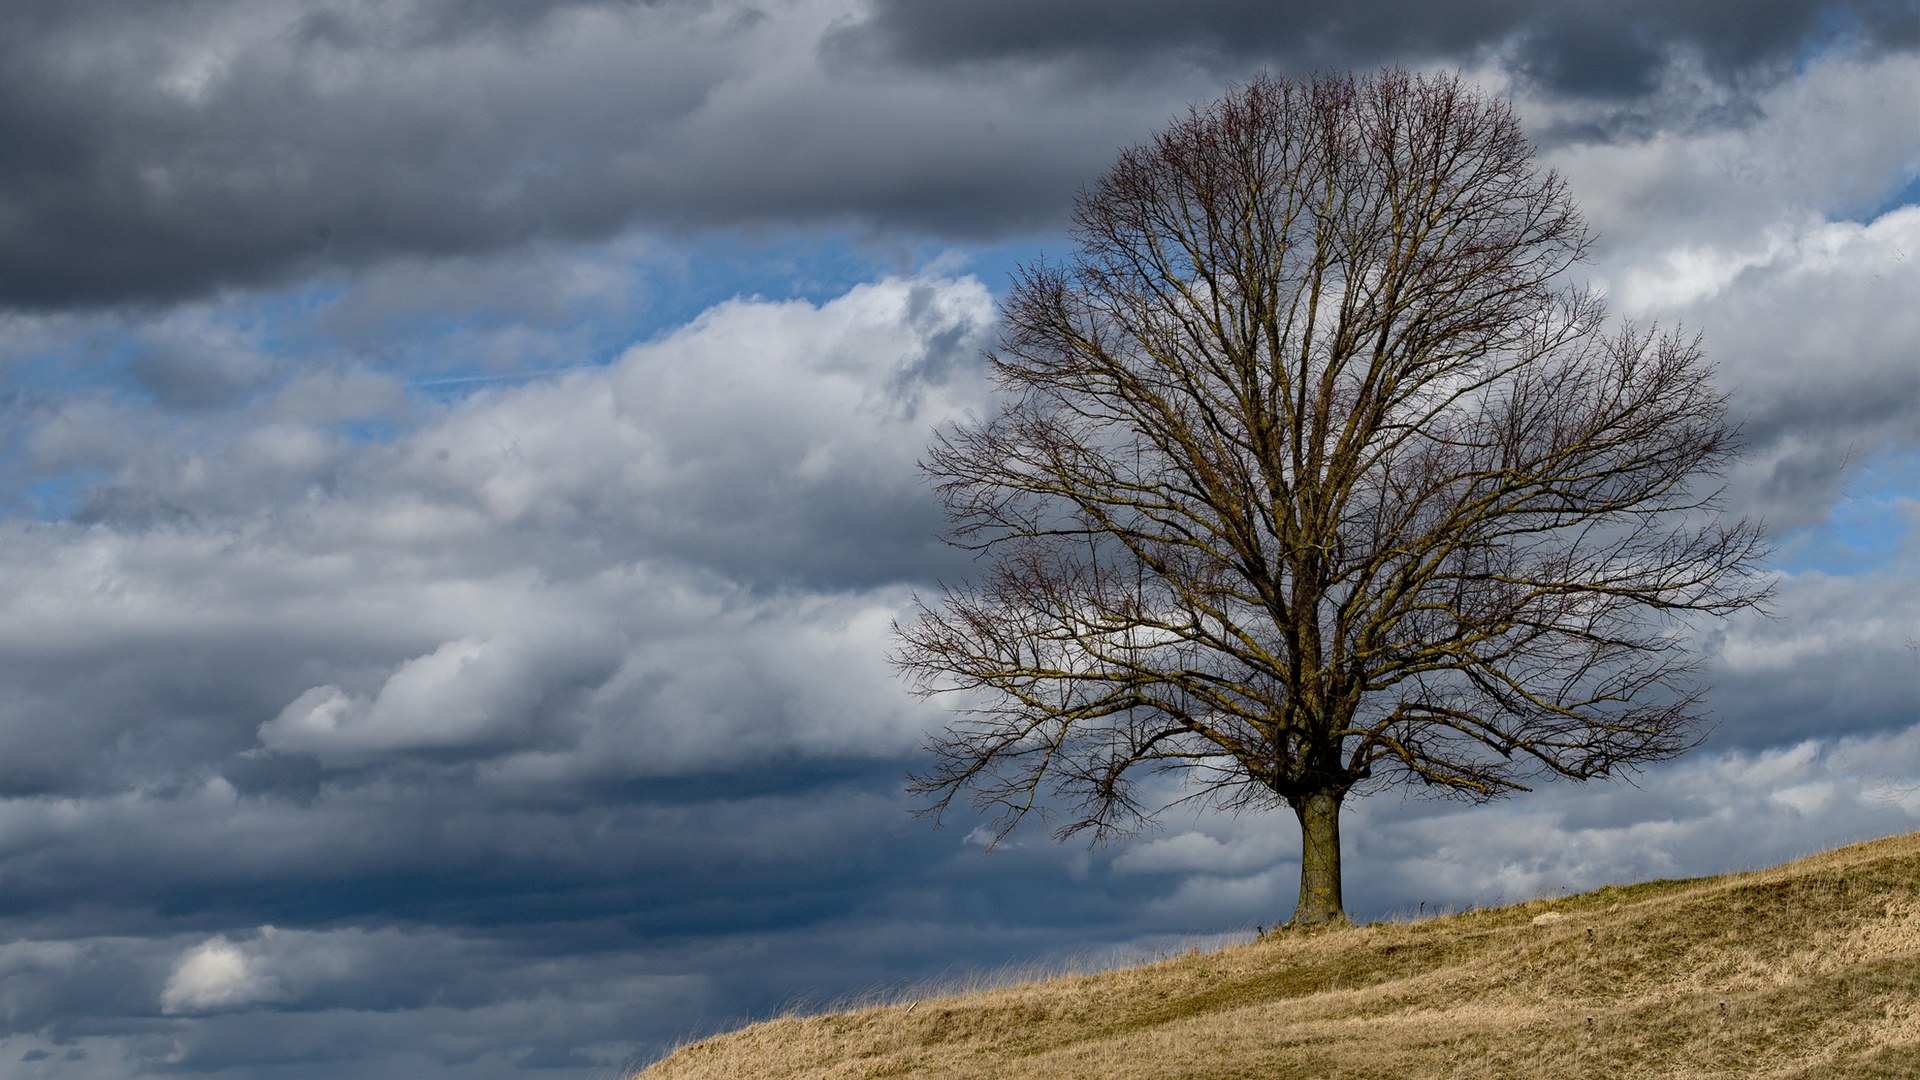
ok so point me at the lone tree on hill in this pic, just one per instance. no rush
(1316, 476)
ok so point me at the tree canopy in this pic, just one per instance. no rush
(1318, 473)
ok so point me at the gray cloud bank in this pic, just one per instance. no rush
(1572, 48)
(154, 152)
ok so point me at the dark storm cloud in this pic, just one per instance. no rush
(1572, 48)
(679, 931)
(584, 937)
(155, 152)
(1841, 666)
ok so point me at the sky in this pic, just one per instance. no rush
(458, 475)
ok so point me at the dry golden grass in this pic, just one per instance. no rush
(1808, 970)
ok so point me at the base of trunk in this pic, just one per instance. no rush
(1320, 902)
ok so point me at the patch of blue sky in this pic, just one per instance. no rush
(95, 356)
(57, 498)
(371, 429)
(1871, 528)
(282, 323)
(691, 278)
(1836, 28)
(1909, 195)
(996, 265)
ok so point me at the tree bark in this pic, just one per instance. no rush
(1320, 903)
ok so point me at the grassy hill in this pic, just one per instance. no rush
(1807, 970)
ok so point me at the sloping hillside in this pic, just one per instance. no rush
(1807, 970)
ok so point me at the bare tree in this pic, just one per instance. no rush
(1316, 475)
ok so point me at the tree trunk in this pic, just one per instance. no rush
(1320, 904)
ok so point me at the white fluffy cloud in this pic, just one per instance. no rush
(688, 556)
(1835, 142)
(469, 692)
(1774, 238)
(218, 974)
